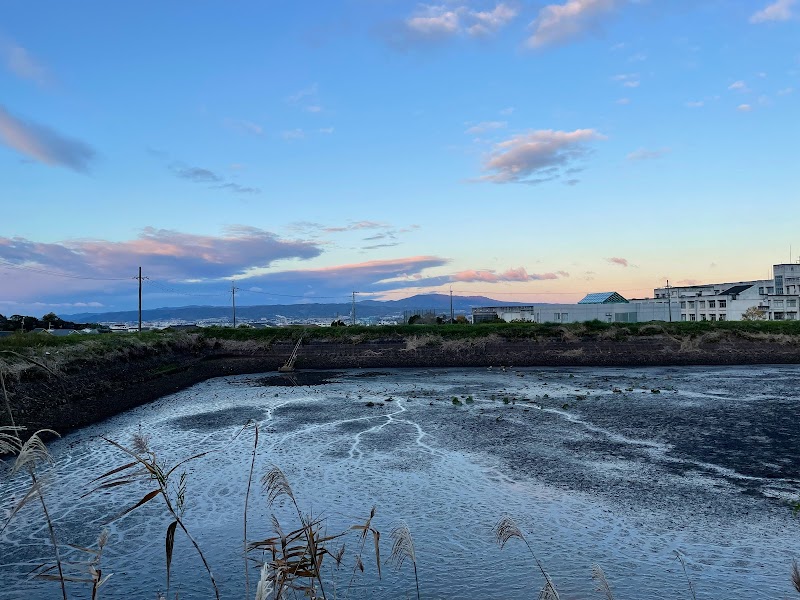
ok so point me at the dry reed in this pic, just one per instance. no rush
(601, 583)
(402, 549)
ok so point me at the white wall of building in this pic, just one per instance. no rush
(636, 311)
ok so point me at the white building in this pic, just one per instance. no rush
(609, 307)
(778, 298)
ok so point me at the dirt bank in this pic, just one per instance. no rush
(83, 390)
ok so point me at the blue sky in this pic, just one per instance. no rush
(523, 150)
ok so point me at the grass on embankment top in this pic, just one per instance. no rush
(101, 343)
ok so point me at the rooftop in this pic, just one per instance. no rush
(603, 298)
(737, 289)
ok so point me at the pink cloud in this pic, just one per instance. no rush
(164, 254)
(559, 23)
(536, 156)
(615, 260)
(510, 275)
(364, 273)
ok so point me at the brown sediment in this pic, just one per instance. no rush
(88, 390)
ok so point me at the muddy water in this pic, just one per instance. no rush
(617, 467)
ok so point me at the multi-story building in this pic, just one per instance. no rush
(777, 299)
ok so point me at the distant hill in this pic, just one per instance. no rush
(365, 308)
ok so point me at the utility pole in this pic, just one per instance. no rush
(233, 300)
(140, 278)
(353, 319)
(669, 302)
(451, 305)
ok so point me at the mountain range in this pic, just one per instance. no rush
(365, 308)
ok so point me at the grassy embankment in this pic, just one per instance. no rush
(115, 342)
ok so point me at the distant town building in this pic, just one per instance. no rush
(609, 307)
(777, 299)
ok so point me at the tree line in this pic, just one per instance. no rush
(48, 321)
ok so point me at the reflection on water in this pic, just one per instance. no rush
(705, 466)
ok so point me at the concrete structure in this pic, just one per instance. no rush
(778, 299)
(608, 307)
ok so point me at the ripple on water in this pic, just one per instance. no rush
(618, 481)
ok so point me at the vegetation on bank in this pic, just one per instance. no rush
(357, 334)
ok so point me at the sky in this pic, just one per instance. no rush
(300, 151)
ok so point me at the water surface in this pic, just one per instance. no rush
(617, 467)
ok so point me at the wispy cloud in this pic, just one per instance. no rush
(781, 10)
(239, 189)
(695, 103)
(307, 92)
(376, 246)
(44, 144)
(744, 108)
(358, 226)
(373, 275)
(645, 154)
(212, 178)
(560, 23)
(485, 126)
(21, 63)
(738, 86)
(293, 134)
(489, 21)
(537, 156)
(616, 260)
(629, 80)
(308, 97)
(244, 126)
(438, 22)
(195, 174)
(510, 275)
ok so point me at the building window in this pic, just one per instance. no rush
(770, 290)
(713, 317)
(778, 303)
(702, 317)
(712, 304)
(702, 303)
(778, 316)
(692, 317)
(683, 304)
(565, 317)
(722, 317)
(723, 304)
(791, 303)
(761, 291)
(556, 316)
(791, 316)
(683, 317)
(691, 304)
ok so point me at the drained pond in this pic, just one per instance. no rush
(628, 469)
